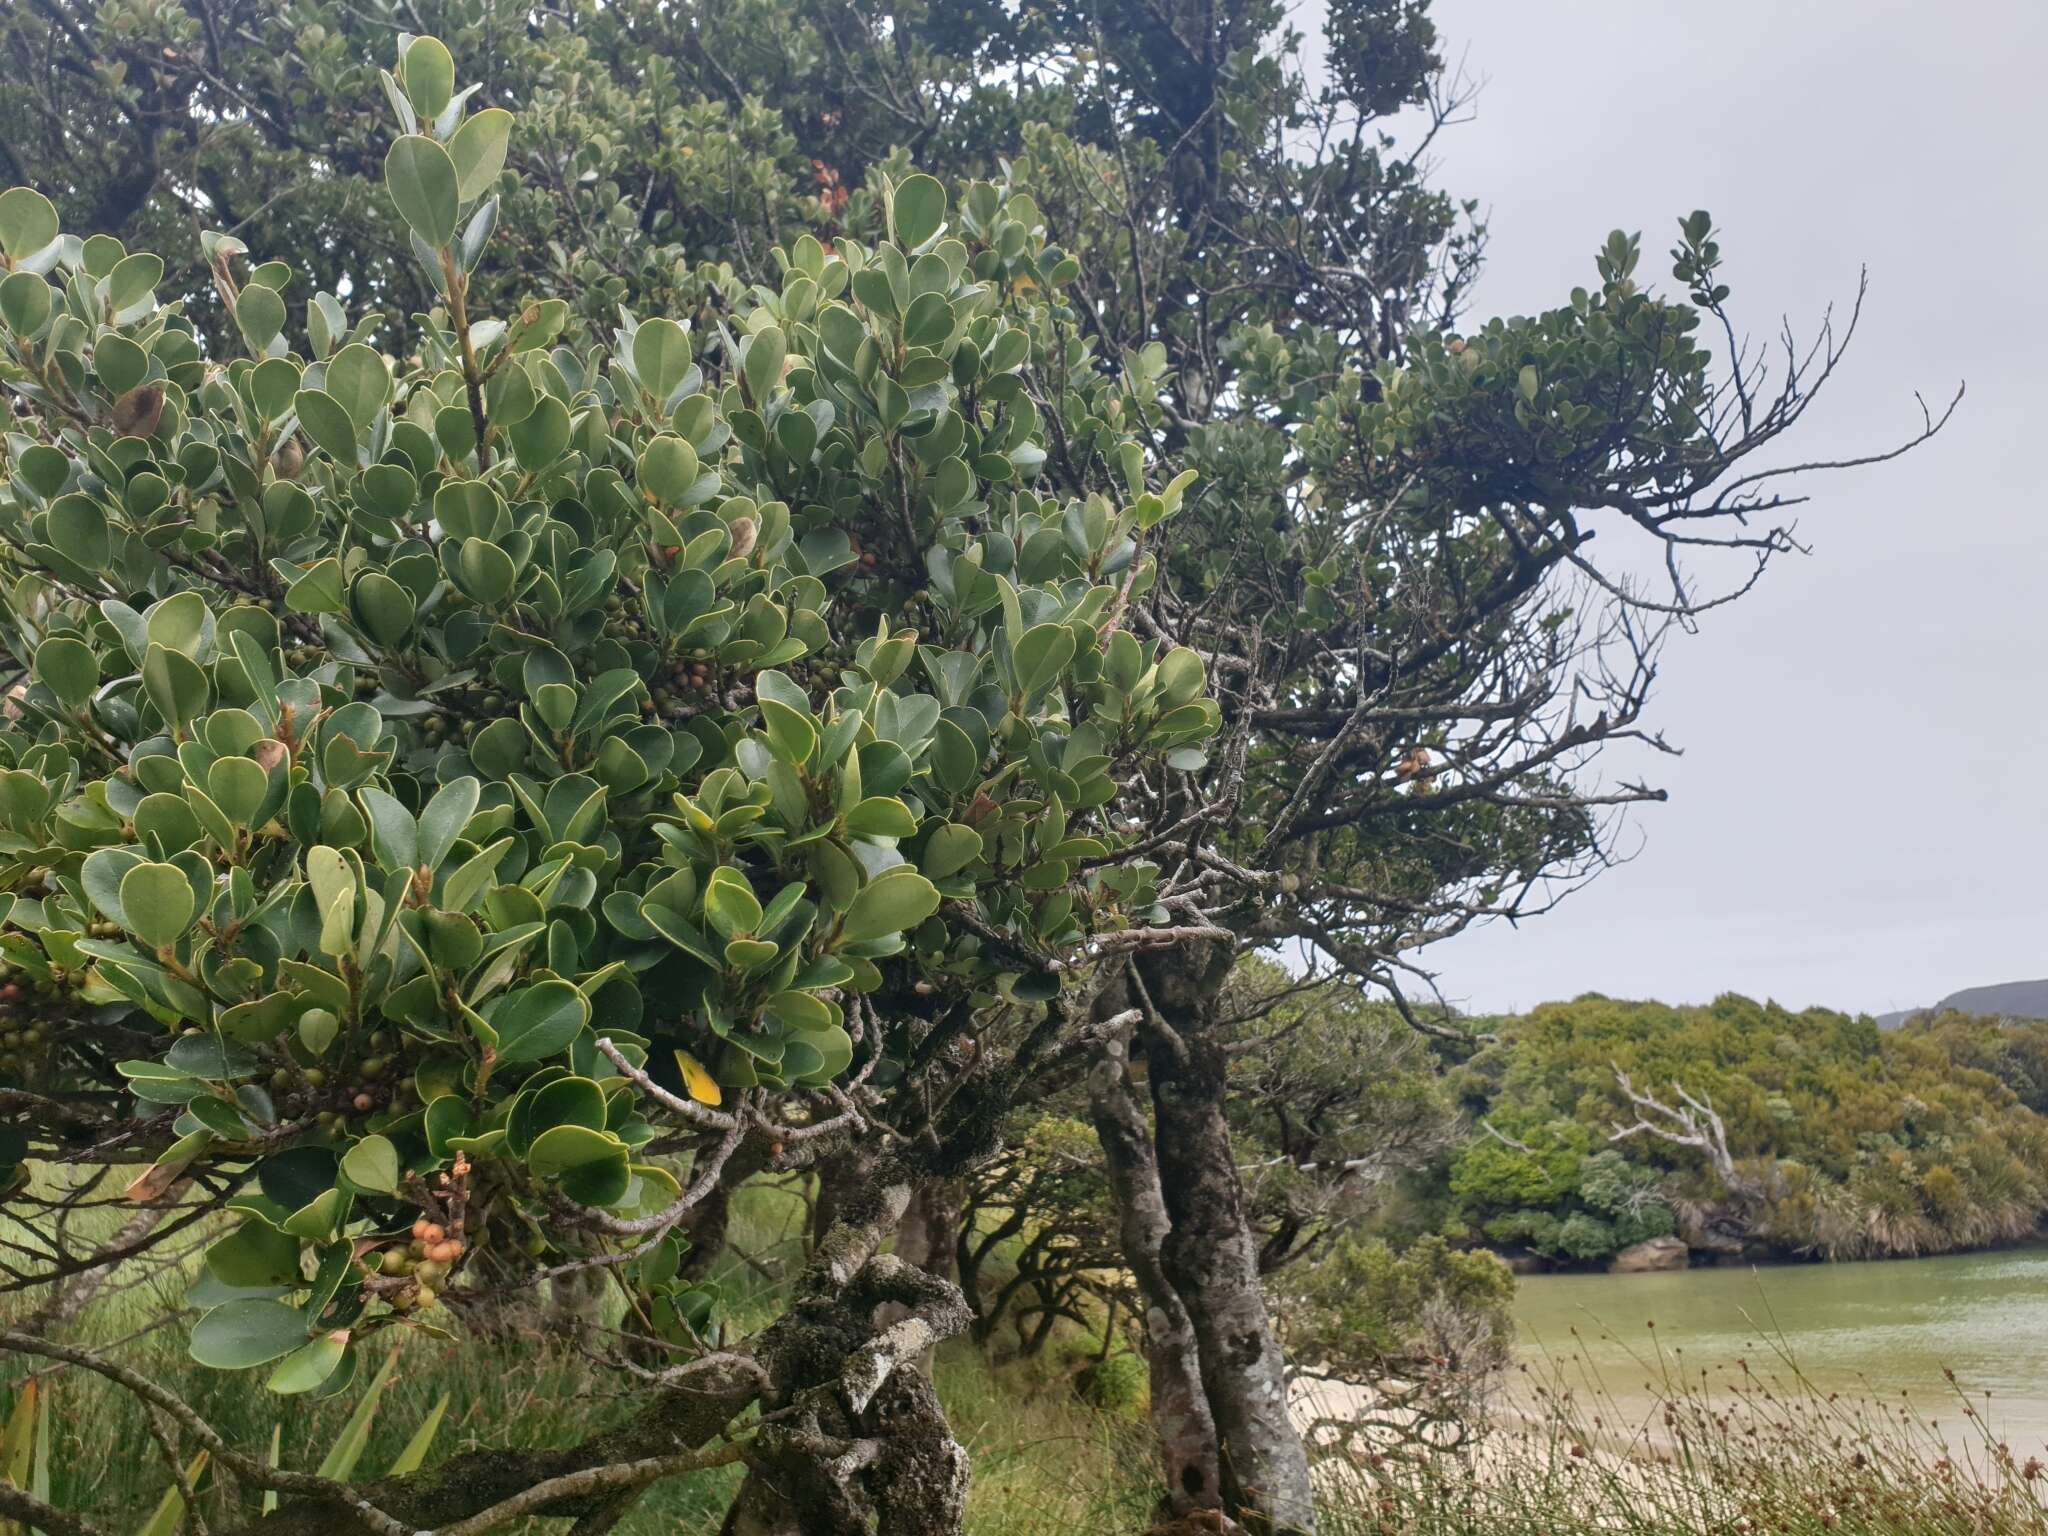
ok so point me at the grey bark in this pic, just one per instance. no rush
(1210, 1254)
(928, 1234)
(859, 1443)
(1181, 1419)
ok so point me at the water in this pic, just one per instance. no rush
(1868, 1330)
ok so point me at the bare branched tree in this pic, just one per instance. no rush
(1691, 1122)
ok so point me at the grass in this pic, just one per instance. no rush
(1731, 1449)
(1046, 1464)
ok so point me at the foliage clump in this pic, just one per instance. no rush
(457, 768)
(1862, 1143)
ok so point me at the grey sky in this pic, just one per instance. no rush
(1858, 820)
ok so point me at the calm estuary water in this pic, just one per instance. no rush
(1866, 1330)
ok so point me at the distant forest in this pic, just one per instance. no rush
(1754, 1132)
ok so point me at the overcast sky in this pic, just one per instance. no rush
(1858, 820)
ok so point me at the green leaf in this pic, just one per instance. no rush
(444, 817)
(259, 311)
(25, 302)
(1041, 653)
(539, 1021)
(668, 468)
(1181, 677)
(766, 352)
(539, 439)
(928, 321)
(429, 72)
(460, 890)
(593, 1166)
(949, 850)
(568, 1101)
(917, 211)
(28, 223)
(372, 1165)
(894, 900)
(329, 424)
(319, 1026)
(132, 279)
(393, 833)
(68, 669)
(478, 150)
(422, 182)
(251, 1331)
(661, 357)
(156, 901)
(175, 685)
(318, 590)
(238, 786)
(881, 816)
(255, 1254)
(678, 931)
(730, 905)
(306, 1367)
(78, 528)
(486, 571)
(791, 732)
(383, 608)
(180, 621)
(359, 383)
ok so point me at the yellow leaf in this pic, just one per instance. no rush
(170, 1510)
(703, 1087)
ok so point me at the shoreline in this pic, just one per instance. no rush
(1531, 1266)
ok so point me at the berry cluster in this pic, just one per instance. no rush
(427, 1261)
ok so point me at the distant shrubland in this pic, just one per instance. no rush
(1845, 1141)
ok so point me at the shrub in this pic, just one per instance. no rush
(456, 770)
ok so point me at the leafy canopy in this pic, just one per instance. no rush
(458, 765)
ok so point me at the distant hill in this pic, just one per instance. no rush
(2005, 999)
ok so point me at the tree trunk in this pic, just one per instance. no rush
(1180, 1410)
(860, 1443)
(842, 1178)
(708, 1221)
(1210, 1255)
(928, 1235)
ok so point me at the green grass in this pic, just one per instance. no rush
(1728, 1451)
(1046, 1465)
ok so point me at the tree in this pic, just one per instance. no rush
(1332, 1098)
(468, 783)
(1426, 1331)
(1386, 563)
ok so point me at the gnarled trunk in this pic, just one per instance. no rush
(929, 1233)
(1210, 1255)
(1180, 1409)
(928, 1236)
(860, 1444)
